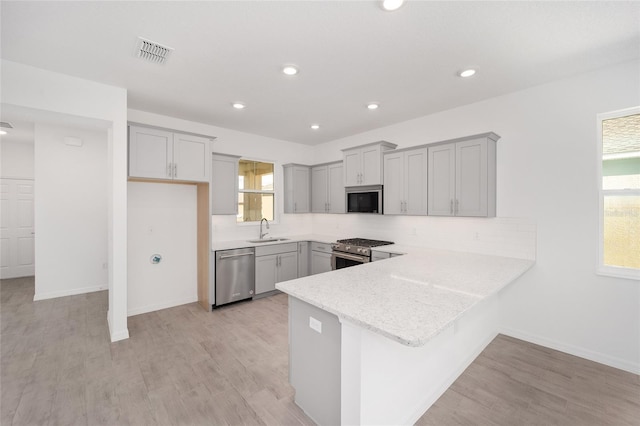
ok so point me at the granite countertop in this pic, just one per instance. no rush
(230, 245)
(408, 298)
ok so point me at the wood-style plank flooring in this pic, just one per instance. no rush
(185, 366)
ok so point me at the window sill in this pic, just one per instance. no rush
(619, 272)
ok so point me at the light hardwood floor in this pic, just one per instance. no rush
(187, 366)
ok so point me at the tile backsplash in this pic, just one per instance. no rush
(511, 237)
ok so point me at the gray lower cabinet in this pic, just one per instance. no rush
(320, 257)
(274, 264)
(303, 259)
(314, 361)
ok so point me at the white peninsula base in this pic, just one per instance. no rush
(349, 373)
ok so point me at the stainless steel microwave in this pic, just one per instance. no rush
(364, 199)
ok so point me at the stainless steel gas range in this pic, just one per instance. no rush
(353, 251)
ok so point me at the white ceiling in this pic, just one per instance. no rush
(349, 53)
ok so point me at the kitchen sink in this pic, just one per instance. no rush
(268, 240)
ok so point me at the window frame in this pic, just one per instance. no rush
(601, 268)
(255, 191)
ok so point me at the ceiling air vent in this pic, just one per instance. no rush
(152, 51)
(5, 125)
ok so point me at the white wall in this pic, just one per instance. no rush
(250, 146)
(547, 175)
(16, 160)
(70, 212)
(29, 87)
(162, 220)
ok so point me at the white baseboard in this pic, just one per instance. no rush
(621, 364)
(71, 292)
(158, 306)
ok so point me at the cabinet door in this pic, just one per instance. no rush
(415, 182)
(371, 166)
(471, 178)
(320, 262)
(335, 188)
(150, 153)
(301, 189)
(266, 272)
(441, 181)
(352, 168)
(191, 158)
(224, 185)
(303, 259)
(319, 189)
(287, 266)
(393, 184)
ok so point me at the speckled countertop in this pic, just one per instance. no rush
(408, 298)
(229, 245)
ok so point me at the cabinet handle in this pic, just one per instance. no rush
(300, 248)
(295, 207)
(168, 169)
(175, 170)
(451, 207)
(457, 209)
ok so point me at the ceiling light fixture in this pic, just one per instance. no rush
(373, 105)
(290, 69)
(238, 105)
(467, 73)
(391, 5)
(315, 126)
(2, 132)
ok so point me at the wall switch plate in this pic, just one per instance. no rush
(316, 325)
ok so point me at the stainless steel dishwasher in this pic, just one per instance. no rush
(235, 275)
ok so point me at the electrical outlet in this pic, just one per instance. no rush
(476, 236)
(316, 325)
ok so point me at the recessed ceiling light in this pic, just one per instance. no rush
(373, 105)
(467, 73)
(238, 105)
(2, 132)
(290, 69)
(391, 5)
(315, 126)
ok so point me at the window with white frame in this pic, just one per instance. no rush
(619, 150)
(255, 191)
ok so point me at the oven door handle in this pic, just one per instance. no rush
(353, 257)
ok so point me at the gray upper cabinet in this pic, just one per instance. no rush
(327, 189)
(297, 188)
(462, 177)
(224, 184)
(405, 182)
(363, 164)
(161, 154)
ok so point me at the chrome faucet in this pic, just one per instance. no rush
(261, 234)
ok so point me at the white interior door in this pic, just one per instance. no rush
(17, 233)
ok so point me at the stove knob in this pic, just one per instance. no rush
(360, 250)
(347, 248)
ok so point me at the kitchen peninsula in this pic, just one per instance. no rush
(380, 342)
